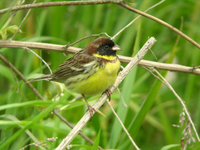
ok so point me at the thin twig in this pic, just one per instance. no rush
(129, 136)
(124, 103)
(71, 126)
(136, 19)
(28, 49)
(181, 101)
(63, 3)
(120, 2)
(164, 81)
(165, 66)
(21, 76)
(135, 60)
(62, 48)
(39, 58)
(15, 81)
(22, 22)
(161, 22)
(93, 35)
(40, 143)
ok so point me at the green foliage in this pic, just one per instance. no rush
(168, 147)
(5, 29)
(10, 29)
(96, 142)
(152, 108)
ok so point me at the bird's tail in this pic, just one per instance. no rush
(44, 77)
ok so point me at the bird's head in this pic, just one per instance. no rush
(103, 46)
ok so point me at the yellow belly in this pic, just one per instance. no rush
(101, 80)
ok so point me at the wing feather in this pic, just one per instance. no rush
(80, 63)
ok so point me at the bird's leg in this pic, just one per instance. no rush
(108, 93)
(90, 108)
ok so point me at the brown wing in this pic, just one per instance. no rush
(73, 66)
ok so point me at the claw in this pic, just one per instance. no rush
(92, 111)
(90, 108)
(108, 93)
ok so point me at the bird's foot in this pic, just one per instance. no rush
(108, 93)
(91, 111)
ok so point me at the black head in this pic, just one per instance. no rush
(102, 46)
(107, 47)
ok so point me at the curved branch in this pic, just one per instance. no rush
(50, 4)
(120, 2)
(161, 22)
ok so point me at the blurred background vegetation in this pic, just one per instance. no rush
(152, 108)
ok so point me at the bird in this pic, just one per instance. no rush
(90, 71)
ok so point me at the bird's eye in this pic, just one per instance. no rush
(106, 46)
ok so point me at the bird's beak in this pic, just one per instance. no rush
(116, 48)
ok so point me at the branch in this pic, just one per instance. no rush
(51, 4)
(164, 81)
(22, 21)
(62, 48)
(120, 2)
(135, 60)
(71, 126)
(161, 22)
(21, 76)
(124, 128)
(136, 19)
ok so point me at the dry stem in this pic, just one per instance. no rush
(129, 136)
(136, 19)
(120, 2)
(63, 3)
(181, 101)
(164, 81)
(22, 21)
(161, 22)
(62, 48)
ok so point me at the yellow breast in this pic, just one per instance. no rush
(102, 79)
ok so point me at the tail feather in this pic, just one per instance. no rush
(44, 77)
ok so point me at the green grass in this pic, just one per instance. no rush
(152, 108)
